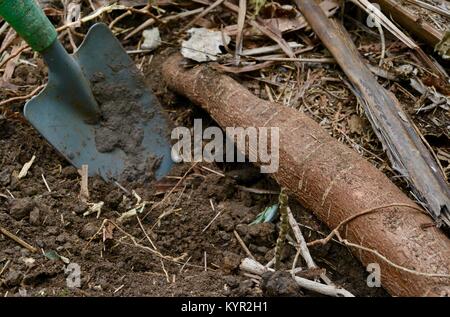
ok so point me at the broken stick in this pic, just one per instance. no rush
(15, 238)
(301, 241)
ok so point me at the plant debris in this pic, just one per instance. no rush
(204, 45)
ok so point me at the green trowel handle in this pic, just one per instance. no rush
(29, 21)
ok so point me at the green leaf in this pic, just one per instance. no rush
(52, 255)
(268, 215)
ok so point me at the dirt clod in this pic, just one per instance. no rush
(231, 262)
(279, 284)
(262, 234)
(5, 175)
(69, 172)
(12, 279)
(35, 217)
(21, 207)
(79, 207)
(88, 230)
(113, 199)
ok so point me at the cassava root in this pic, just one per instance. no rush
(331, 180)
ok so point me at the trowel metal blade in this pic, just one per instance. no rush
(58, 121)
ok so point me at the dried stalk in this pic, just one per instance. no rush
(284, 226)
(15, 238)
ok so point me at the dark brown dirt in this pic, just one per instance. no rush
(279, 284)
(110, 263)
(123, 118)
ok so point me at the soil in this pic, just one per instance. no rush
(123, 118)
(119, 108)
(114, 257)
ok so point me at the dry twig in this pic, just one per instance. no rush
(15, 238)
(84, 184)
(242, 243)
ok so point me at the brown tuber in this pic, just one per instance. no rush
(332, 180)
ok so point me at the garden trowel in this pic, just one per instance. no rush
(66, 112)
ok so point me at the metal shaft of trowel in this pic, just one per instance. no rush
(70, 82)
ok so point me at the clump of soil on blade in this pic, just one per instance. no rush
(121, 127)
